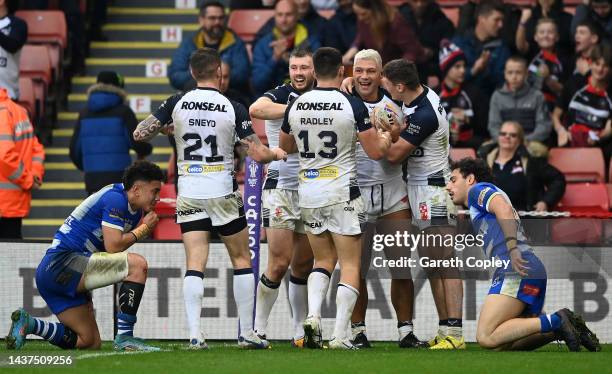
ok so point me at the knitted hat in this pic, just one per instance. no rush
(449, 55)
(110, 77)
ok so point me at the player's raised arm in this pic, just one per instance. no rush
(255, 149)
(286, 140)
(265, 108)
(150, 126)
(115, 240)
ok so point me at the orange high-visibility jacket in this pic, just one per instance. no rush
(21, 158)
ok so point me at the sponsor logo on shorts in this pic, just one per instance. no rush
(423, 211)
(330, 172)
(313, 225)
(202, 169)
(278, 212)
(349, 209)
(531, 290)
(188, 212)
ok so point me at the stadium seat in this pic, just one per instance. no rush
(246, 22)
(585, 197)
(27, 98)
(47, 27)
(579, 164)
(457, 154)
(259, 126)
(35, 64)
(167, 229)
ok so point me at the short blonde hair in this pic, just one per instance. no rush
(369, 54)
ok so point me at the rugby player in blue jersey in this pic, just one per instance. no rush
(511, 317)
(89, 252)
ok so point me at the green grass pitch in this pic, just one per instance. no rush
(281, 358)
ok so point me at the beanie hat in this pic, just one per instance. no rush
(449, 55)
(110, 77)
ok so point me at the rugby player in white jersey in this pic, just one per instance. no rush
(323, 126)
(287, 241)
(205, 125)
(385, 196)
(424, 144)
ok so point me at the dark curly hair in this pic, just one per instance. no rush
(142, 171)
(476, 167)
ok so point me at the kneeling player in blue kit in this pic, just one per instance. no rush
(511, 317)
(89, 252)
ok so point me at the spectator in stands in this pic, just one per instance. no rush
(306, 15)
(512, 15)
(523, 172)
(518, 101)
(21, 166)
(13, 35)
(341, 29)
(271, 53)
(212, 34)
(381, 27)
(546, 70)
(430, 25)
(596, 11)
(485, 52)
(587, 36)
(465, 107)
(587, 122)
(551, 9)
(102, 138)
(236, 95)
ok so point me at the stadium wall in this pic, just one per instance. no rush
(162, 315)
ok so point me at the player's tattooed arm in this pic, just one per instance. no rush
(260, 152)
(264, 108)
(147, 129)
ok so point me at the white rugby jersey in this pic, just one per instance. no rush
(324, 123)
(373, 172)
(281, 174)
(206, 124)
(428, 130)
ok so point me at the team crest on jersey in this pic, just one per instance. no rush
(531, 290)
(482, 195)
(423, 211)
(329, 172)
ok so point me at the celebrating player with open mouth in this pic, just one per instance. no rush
(323, 126)
(386, 200)
(511, 317)
(206, 124)
(287, 242)
(89, 252)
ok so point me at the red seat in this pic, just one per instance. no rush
(166, 207)
(579, 164)
(246, 22)
(259, 126)
(585, 197)
(47, 27)
(35, 64)
(457, 154)
(395, 2)
(167, 229)
(26, 96)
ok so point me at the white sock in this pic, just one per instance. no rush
(244, 289)
(318, 283)
(405, 329)
(298, 301)
(193, 291)
(346, 297)
(267, 292)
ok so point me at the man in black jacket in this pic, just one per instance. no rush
(102, 138)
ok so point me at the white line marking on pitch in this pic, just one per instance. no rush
(104, 354)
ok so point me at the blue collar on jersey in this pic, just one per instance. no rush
(419, 98)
